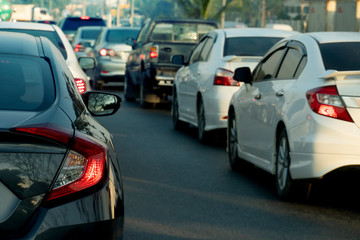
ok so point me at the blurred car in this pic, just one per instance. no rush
(297, 115)
(85, 37)
(58, 38)
(111, 53)
(204, 85)
(59, 172)
(69, 25)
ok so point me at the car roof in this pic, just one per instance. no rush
(250, 32)
(327, 37)
(14, 43)
(27, 25)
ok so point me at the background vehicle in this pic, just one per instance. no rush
(149, 70)
(85, 37)
(28, 13)
(58, 38)
(297, 116)
(204, 85)
(59, 172)
(111, 53)
(69, 25)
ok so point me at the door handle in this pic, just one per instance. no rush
(258, 96)
(280, 93)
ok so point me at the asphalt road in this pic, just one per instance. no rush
(177, 188)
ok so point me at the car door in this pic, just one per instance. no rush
(278, 92)
(187, 86)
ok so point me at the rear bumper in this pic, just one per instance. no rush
(111, 69)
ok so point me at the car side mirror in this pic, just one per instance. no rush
(101, 103)
(178, 59)
(243, 74)
(87, 62)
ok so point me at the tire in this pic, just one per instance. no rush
(287, 188)
(234, 160)
(178, 124)
(203, 136)
(128, 89)
(142, 92)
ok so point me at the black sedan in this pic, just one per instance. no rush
(59, 173)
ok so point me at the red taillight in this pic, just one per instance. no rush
(154, 52)
(107, 52)
(327, 102)
(79, 48)
(80, 84)
(85, 17)
(225, 78)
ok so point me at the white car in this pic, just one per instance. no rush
(58, 38)
(204, 85)
(298, 114)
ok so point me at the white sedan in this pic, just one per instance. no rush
(298, 114)
(204, 85)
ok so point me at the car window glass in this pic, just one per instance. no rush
(25, 83)
(90, 34)
(120, 35)
(301, 66)
(290, 64)
(72, 24)
(340, 56)
(196, 52)
(269, 66)
(206, 49)
(248, 46)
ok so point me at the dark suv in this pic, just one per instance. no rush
(149, 70)
(69, 25)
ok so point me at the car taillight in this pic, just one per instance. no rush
(79, 48)
(154, 52)
(326, 101)
(85, 163)
(107, 52)
(85, 17)
(225, 78)
(80, 84)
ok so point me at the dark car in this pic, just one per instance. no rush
(150, 72)
(69, 25)
(59, 173)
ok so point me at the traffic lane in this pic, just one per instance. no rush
(176, 188)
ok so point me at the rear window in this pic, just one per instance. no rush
(342, 56)
(51, 35)
(180, 32)
(90, 34)
(26, 83)
(121, 35)
(72, 24)
(249, 46)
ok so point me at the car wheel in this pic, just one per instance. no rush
(128, 89)
(178, 124)
(202, 134)
(232, 140)
(287, 188)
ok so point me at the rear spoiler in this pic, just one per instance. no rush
(241, 58)
(339, 75)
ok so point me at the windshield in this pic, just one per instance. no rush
(121, 35)
(26, 83)
(90, 34)
(343, 56)
(72, 24)
(248, 46)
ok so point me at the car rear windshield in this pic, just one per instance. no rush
(72, 24)
(180, 32)
(121, 35)
(51, 35)
(90, 34)
(343, 56)
(249, 46)
(26, 83)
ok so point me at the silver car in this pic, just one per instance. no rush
(85, 37)
(111, 53)
(58, 38)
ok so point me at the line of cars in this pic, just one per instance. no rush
(289, 104)
(60, 176)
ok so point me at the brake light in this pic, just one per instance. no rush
(85, 17)
(79, 48)
(224, 77)
(154, 53)
(107, 52)
(80, 84)
(327, 102)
